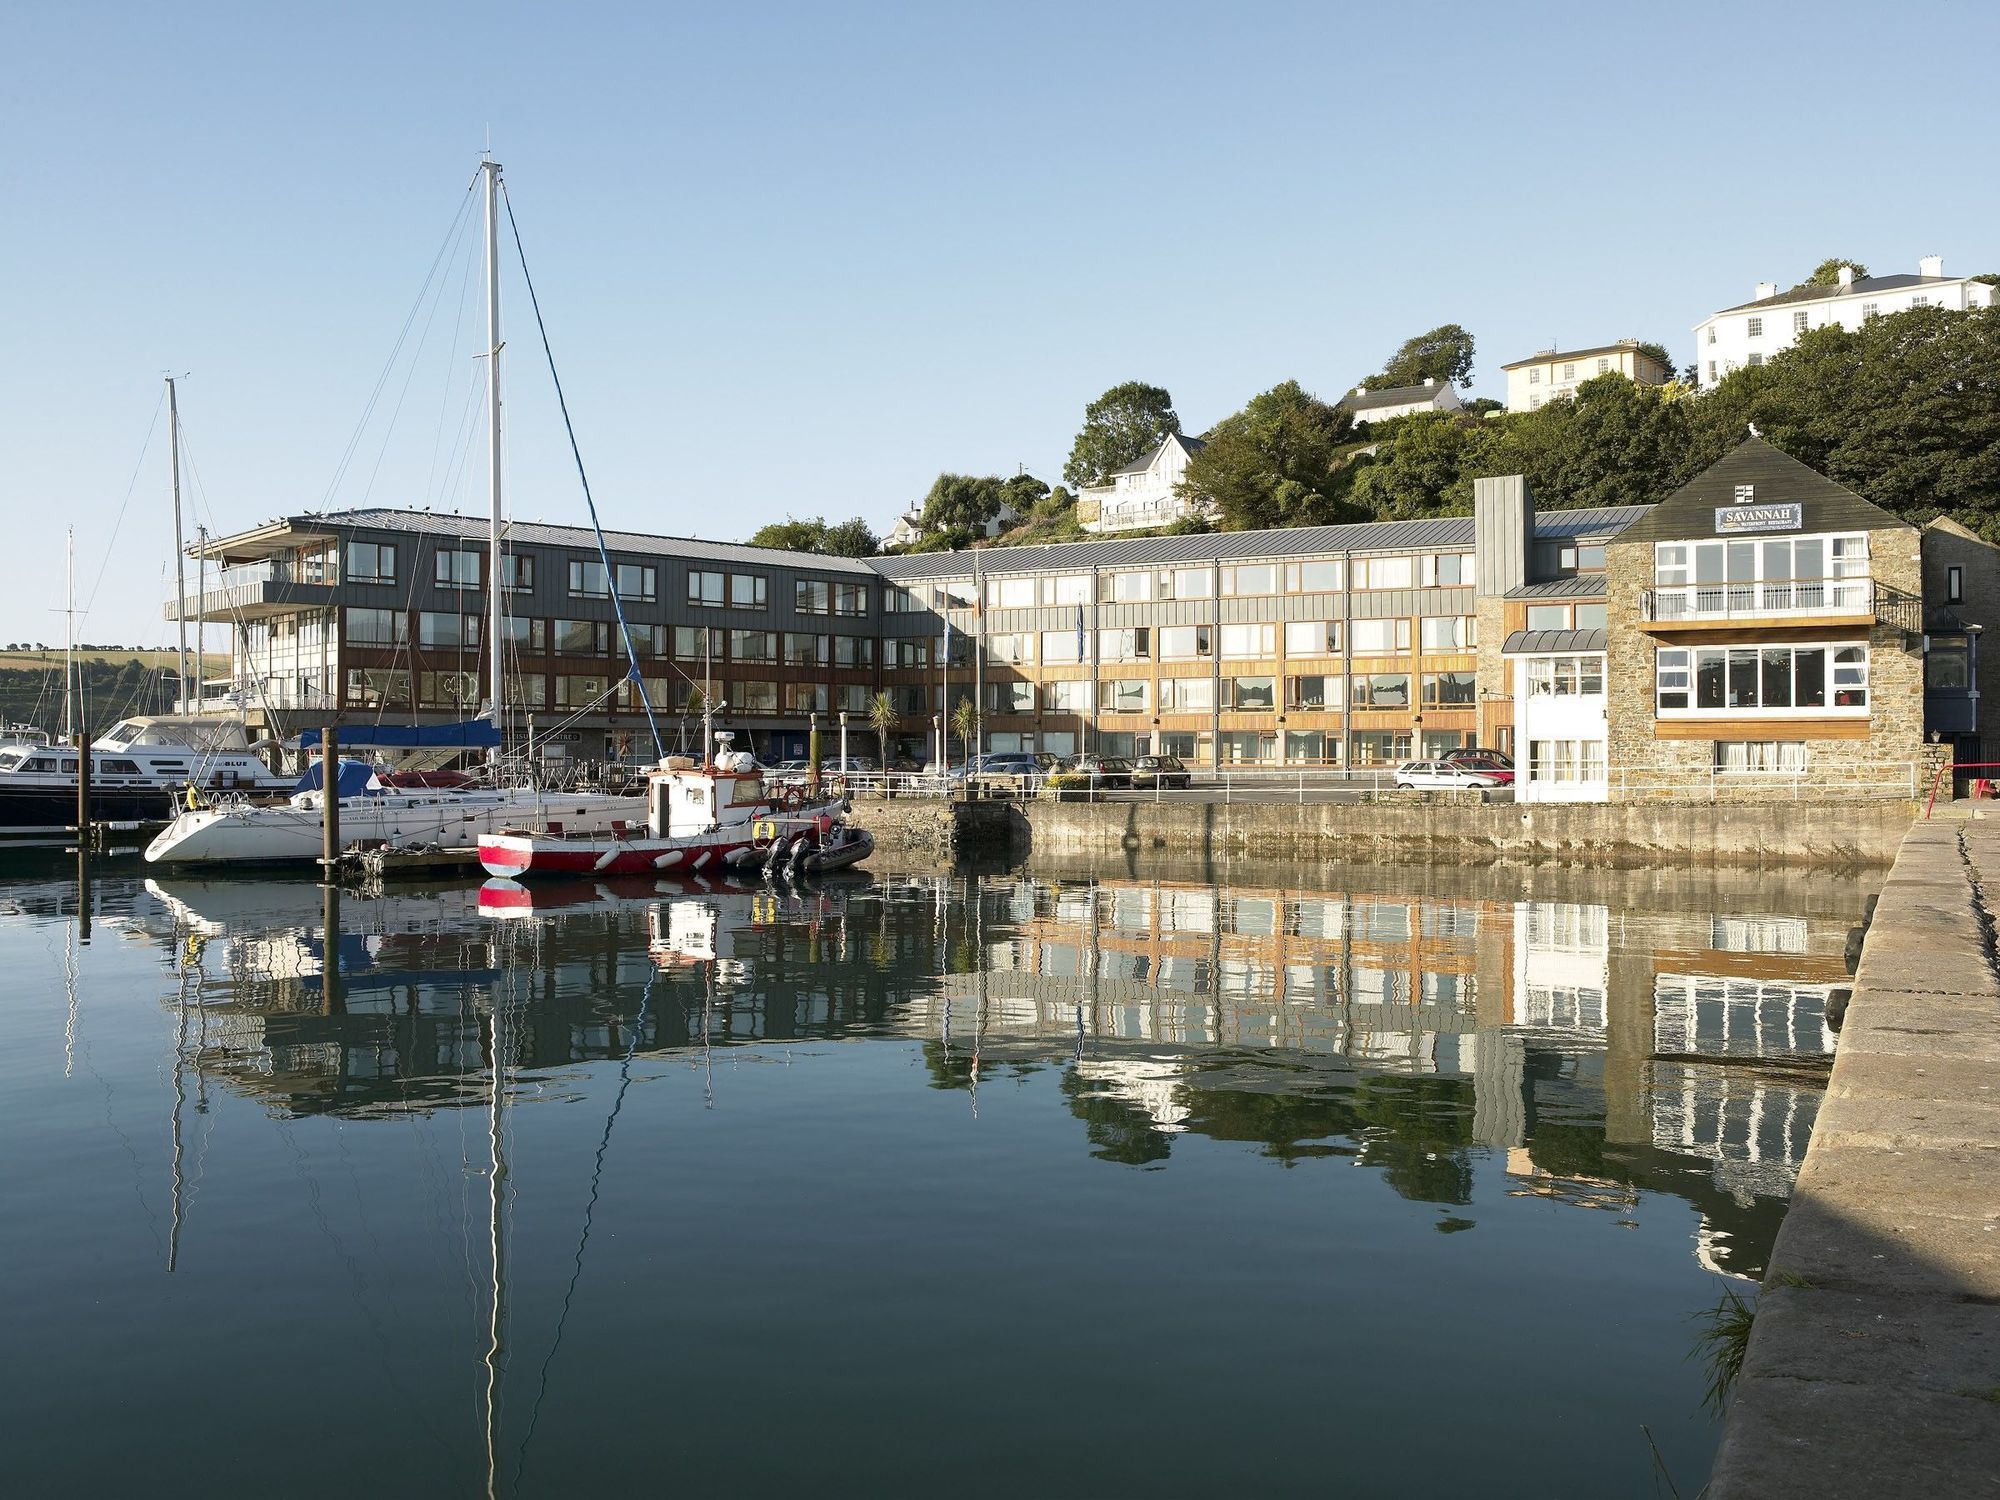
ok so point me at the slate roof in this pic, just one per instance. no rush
(1395, 395)
(1861, 284)
(1573, 586)
(1627, 346)
(1540, 642)
(1777, 478)
(1190, 445)
(1230, 546)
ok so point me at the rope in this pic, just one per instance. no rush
(603, 552)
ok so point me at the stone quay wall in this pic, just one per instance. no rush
(1873, 1367)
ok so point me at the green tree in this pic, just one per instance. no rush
(958, 507)
(1426, 468)
(1827, 272)
(851, 538)
(1444, 355)
(1120, 427)
(1025, 492)
(1659, 352)
(885, 721)
(1277, 462)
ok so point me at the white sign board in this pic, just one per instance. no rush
(1737, 520)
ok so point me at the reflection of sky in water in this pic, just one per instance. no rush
(1501, 1064)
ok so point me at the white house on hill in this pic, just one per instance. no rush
(1143, 493)
(1554, 372)
(1751, 333)
(1399, 401)
(910, 525)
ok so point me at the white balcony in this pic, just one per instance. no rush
(1803, 598)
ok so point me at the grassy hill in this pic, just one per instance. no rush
(114, 683)
(51, 658)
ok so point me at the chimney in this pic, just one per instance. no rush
(1846, 275)
(1931, 265)
(1430, 380)
(1503, 524)
(1361, 390)
(1765, 289)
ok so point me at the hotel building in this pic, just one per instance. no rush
(1763, 619)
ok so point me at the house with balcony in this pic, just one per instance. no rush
(1145, 493)
(1765, 627)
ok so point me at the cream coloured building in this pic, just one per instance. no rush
(1552, 373)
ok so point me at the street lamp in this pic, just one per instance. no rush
(843, 742)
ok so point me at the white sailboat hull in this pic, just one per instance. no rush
(276, 835)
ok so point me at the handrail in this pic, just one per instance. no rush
(1948, 768)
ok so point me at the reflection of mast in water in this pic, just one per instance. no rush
(190, 961)
(499, 1042)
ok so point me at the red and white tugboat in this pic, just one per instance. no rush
(716, 817)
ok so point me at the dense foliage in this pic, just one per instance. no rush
(1444, 355)
(851, 538)
(107, 690)
(1277, 462)
(1120, 427)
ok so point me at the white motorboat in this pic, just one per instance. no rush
(237, 832)
(138, 769)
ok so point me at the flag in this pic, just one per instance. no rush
(1081, 654)
(946, 657)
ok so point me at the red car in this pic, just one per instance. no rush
(1495, 763)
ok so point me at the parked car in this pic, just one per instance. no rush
(1442, 775)
(1161, 771)
(1093, 773)
(1496, 762)
(796, 773)
(1006, 770)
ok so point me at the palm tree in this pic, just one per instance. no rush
(885, 721)
(965, 724)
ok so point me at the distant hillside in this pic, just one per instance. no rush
(112, 683)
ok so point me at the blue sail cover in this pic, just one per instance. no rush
(467, 734)
(356, 779)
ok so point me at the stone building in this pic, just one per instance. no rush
(1765, 624)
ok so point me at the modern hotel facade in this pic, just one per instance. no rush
(1617, 651)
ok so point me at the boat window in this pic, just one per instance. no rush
(10, 760)
(747, 789)
(119, 767)
(69, 767)
(40, 763)
(122, 734)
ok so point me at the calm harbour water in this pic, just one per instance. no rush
(1062, 1182)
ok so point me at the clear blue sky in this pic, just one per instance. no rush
(798, 259)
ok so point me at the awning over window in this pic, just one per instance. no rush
(1553, 642)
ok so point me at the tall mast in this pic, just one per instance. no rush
(180, 544)
(69, 647)
(495, 647)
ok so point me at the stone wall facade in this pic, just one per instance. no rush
(1645, 762)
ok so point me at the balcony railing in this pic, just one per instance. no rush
(1673, 603)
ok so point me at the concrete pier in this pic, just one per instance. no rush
(1874, 1366)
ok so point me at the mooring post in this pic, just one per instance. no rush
(81, 739)
(329, 798)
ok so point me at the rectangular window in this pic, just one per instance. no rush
(1309, 746)
(1314, 694)
(854, 651)
(1249, 640)
(377, 627)
(517, 574)
(458, 568)
(1250, 579)
(850, 599)
(1954, 585)
(639, 582)
(706, 590)
(1010, 593)
(1754, 359)
(1248, 747)
(1066, 588)
(760, 646)
(1384, 573)
(1312, 638)
(1446, 570)
(1448, 632)
(1011, 697)
(439, 629)
(694, 642)
(748, 590)
(523, 634)
(1711, 339)
(1249, 694)
(1192, 583)
(1066, 697)
(1449, 690)
(1799, 322)
(528, 692)
(1535, 375)
(1061, 646)
(582, 637)
(1321, 577)
(1380, 637)
(1128, 695)
(1765, 757)
(645, 640)
(899, 601)
(448, 690)
(1593, 616)
(805, 650)
(580, 692)
(1569, 369)
(1187, 695)
(1127, 588)
(756, 696)
(812, 596)
(1548, 617)
(1566, 760)
(1754, 327)
(1184, 642)
(908, 654)
(1012, 649)
(1762, 678)
(1870, 311)
(1604, 367)
(373, 687)
(1711, 366)
(1381, 690)
(1381, 747)
(587, 579)
(805, 697)
(371, 562)
(1125, 645)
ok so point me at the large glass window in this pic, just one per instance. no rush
(371, 562)
(1380, 747)
(638, 581)
(1010, 593)
(1384, 572)
(756, 696)
(1066, 697)
(1125, 645)
(1190, 583)
(1062, 646)
(753, 645)
(1313, 694)
(1319, 577)
(524, 634)
(805, 697)
(1449, 690)
(1011, 697)
(1449, 632)
(1127, 588)
(1750, 757)
(1250, 578)
(1447, 570)
(1187, 695)
(1563, 676)
(1249, 640)
(517, 573)
(1249, 694)
(458, 568)
(748, 590)
(582, 637)
(1777, 575)
(909, 654)
(377, 627)
(1066, 588)
(374, 687)
(812, 596)
(850, 598)
(440, 629)
(1312, 638)
(1380, 637)
(854, 651)
(1127, 695)
(581, 692)
(1184, 642)
(805, 650)
(1548, 617)
(694, 642)
(1011, 648)
(587, 579)
(1381, 690)
(1761, 678)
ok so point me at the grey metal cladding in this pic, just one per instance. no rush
(1536, 642)
(1573, 586)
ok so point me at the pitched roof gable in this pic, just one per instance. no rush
(1396, 395)
(1188, 445)
(1773, 477)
